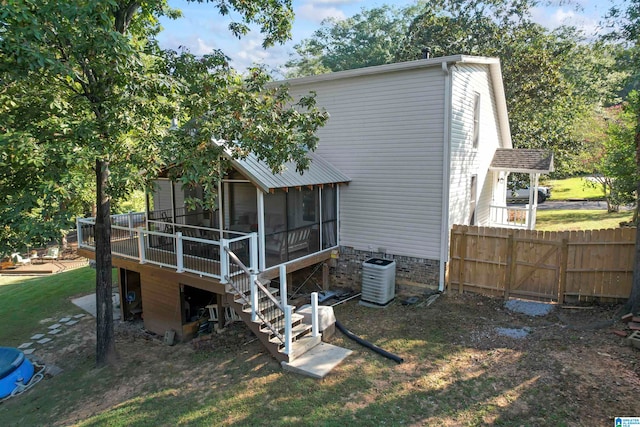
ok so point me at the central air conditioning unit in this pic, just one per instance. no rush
(378, 282)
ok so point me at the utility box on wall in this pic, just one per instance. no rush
(378, 282)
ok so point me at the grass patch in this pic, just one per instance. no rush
(576, 188)
(27, 300)
(563, 220)
(456, 372)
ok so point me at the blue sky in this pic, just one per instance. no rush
(201, 29)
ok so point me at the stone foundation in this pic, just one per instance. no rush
(411, 273)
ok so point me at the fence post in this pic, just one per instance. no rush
(510, 266)
(179, 253)
(253, 297)
(141, 246)
(224, 261)
(462, 252)
(283, 285)
(314, 315)
(564, 259)
(288, 309)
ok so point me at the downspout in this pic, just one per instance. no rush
(338, 215)
(446, 167)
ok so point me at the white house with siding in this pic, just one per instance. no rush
(409, 150)
(417, 140)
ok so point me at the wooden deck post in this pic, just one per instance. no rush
(325, 276)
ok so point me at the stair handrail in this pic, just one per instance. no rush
(237, 260)
(257, 284)
(269, 294)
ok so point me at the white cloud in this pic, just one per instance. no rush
(553, 18)
(248, 51)
(202, 48)
(315, 13)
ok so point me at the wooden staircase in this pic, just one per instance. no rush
(269, 325)
(295, 344)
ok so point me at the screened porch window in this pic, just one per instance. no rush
(329, 217)
(294, 220)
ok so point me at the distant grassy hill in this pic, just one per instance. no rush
(579, 188)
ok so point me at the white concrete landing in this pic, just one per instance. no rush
(318, 361)
(88, 304)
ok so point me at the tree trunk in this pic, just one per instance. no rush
(105, 341)
(634, 299)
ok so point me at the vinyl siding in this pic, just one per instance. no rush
(466, 160)
(386, 134)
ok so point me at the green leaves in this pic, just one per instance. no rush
(365, 39)
(86, 79)
(225, 114)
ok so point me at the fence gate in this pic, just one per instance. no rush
(541, 265)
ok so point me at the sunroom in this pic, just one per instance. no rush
(265, 219)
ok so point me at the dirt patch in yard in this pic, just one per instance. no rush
(459, 369)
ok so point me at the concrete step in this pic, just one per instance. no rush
(318, 361)
(302, 345)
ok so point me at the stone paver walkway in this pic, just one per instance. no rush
(29, 347)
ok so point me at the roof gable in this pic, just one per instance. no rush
(523, 160)
(320, 172)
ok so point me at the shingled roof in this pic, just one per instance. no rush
(523, 160)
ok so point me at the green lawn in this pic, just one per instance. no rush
(453, 374)
(564, 220)
(577, 188)
(27, 300)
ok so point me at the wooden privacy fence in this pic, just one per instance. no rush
(557, 266)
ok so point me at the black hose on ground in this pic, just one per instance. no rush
(367, 344)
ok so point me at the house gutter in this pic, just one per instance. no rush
(446, 168)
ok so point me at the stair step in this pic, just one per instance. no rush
(296, 332)
(302, 345)
(295, 318)
(274, 291)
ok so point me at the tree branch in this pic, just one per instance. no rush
(124, 15)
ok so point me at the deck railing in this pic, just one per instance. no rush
(513, 216)
(182, 247)
(272, 312)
